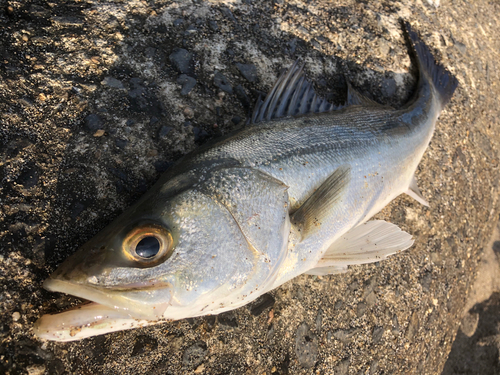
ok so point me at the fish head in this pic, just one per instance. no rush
(170, 256)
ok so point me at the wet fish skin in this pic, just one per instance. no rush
(246, 213)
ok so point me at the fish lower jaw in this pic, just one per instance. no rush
(86, 321)
(135, 303)
(110, 310)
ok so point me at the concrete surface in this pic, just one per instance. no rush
(98, 98)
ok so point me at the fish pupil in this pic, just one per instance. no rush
(148, 247)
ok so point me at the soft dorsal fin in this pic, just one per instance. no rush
(310, 215)
(291, 95)
(367, 243)
(414, 192)
(355, 98)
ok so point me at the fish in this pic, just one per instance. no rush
(289, 194)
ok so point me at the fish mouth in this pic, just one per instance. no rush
(111, 309)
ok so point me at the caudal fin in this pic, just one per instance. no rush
(444, 82)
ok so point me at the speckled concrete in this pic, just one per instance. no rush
(94, 106)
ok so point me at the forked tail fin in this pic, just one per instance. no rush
(443, 81)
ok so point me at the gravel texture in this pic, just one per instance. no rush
(98, 98)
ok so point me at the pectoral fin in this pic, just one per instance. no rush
(309, 217)
(414, 192)
(367, 243)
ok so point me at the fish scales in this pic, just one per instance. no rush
(244, 214)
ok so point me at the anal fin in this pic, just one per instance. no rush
(414, 192)
(367, 243)
(309, 217)
(329, 270)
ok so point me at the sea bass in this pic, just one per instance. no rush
(238, 217)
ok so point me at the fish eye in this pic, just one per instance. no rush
(148, 244)
(148, 247)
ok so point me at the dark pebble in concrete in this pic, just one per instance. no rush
(163, 132)
(343, 367)
(29, 176)
(121, 143)
(378, 332)
(142, 98)
(236, 120)
(210, 320)
(361, 309)
(112, 82)
(213, 25)
(194, 355)
(319, 320)
(228, 319)
(68, 20)
(228, 14)
(248, 71)
(162, 166)
(150, 52)
(243, 97)
(345, 335)
(413, 326)
(144, 345)
(425, 281)
(223, 83)
(199, 134)
(38, 11)
(395, 325)
(76, 209)
(187, 83)
(182, 61)
(306, 346)
(17, 231)
(92, 123)
(496, 247)
(261, 304)
(56, 367)
(270, 332)
(460, 47)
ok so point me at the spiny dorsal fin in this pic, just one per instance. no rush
(291, 95)
(309, 217)
(414, 192)
(367, 243)
(355, 98)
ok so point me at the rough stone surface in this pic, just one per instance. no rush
(60, 185)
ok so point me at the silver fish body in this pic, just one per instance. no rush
(242, 215)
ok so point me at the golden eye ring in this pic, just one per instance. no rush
(148, 244)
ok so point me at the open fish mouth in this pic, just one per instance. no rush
(110, 310)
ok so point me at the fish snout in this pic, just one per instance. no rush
(83, 266)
